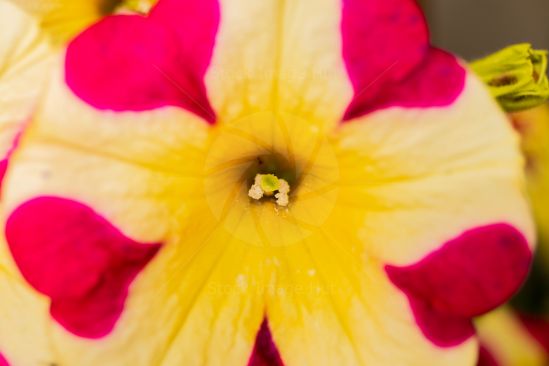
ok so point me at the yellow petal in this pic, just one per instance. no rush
(143, 172)
(281, 56)
(148, 163)
(330, 306)
(192, 305)
(62, 19)
(24, 334)
(431, 173)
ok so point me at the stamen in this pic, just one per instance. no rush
(269, 184)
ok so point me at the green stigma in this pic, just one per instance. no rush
(137, 6)
(516, 76)
(269, 183)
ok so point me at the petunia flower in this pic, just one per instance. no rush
(508, 339)
(129, 203)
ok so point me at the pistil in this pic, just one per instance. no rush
(137, 6)
(269, 185)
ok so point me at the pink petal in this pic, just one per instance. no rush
(3, 361)
(4, 162)
(3, 169)
(195, 24)
(389, 59)
(265, 352)
(539, 329)
(135, 63)
(485, 358)
(77, 258)
(468, 276)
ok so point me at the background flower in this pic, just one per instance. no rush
(508, 340)
(533, 126)
(63, 19)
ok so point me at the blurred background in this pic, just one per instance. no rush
(474, 28)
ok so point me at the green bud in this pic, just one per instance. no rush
(516, 76)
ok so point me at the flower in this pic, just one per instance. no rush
(127, 200)
(508, 339)
(533, 126)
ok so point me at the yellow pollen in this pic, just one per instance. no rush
(269, 184)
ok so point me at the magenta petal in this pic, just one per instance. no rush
(441, 328)
(485, 358)
(5, 161)
(437, 82)
(3, 361)
(468, 276)
(78, 259)
(389, 60)
(135, 63)
(538, 328)
(265, 352)
(195, 23)
(3, 169)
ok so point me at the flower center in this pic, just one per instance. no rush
(108, 7)
(271, 179)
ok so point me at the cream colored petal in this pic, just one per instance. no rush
(24, 71)
(140, 170)
(415, 178)
(25, 337)
(329, 306)
(282, 56)
(198, 303)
